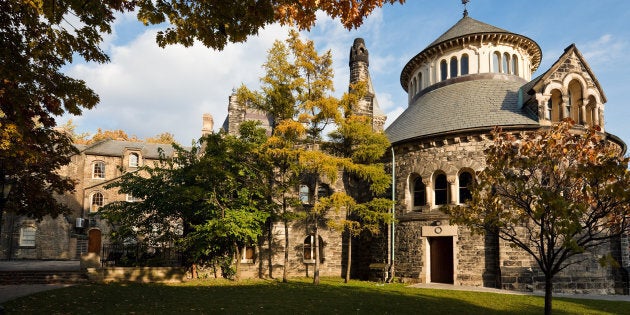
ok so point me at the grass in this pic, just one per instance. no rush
(299, 296)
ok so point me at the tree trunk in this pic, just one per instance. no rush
(316, 271)
(261, 243)
(548, 294)
(237, 263)
(349, 260)
(270, 242)
(193, 271)
(286, 252)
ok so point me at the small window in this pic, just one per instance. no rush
(304, 194)
(419, 193)
(419, 88)
(465, 180)
(443, 70)
(453, 67)
(548, 111)
(98, 170)
(134, 159)
(514, 65)
(441, 190)
(506, 63)
(496, 58)
(323, 191)
(131, 198)
(97, 202)
(464, 64)
(247, 254)
(27, 236)
(309, 249)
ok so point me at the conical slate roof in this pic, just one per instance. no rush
(467, 26)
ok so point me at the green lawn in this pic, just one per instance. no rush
(299, 296)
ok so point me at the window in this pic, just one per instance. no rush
(419, 87)
(441, 190)
(465, 180)
(27, 236)
(548, 109)
(414, 86)
(97, 202)
(453, 67)
(134, 159)
(304, 194)
(98, 170)
(514, 65)
(131, 198)
(506, 63)
(309, 249)
(419, 193)
(554, 105)
(443, 70)
(496, 58)
(247, 254)
(323, 191)
(464, 64)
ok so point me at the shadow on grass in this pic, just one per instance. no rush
(295, 297)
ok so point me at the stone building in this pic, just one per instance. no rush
(80, 231)
(472, 78)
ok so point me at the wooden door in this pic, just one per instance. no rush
(441, 259)
(94, 241)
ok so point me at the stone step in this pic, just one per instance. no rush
(42, 277)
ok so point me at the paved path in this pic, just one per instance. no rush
(12, 291)
(442, 286)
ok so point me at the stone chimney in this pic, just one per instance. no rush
(208, 124)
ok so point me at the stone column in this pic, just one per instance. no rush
(566, 111)
(452, 189)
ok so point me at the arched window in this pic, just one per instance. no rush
(453, 67)
(506, 63)
(465, 180)
(309, 249)
(443, 70)
(96, 202)
(464, 64)
(496, 59)
(575, 98)
(134, 159)
(548, 111)
(304, 194)
(556, 110)
(419, 193)
(440, 187)
(591, 107)
(514, 65)
(419, 81)
(98, 170)
(414, 86)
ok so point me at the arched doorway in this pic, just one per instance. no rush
(441, 259)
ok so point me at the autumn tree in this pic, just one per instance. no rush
(364, 175)
(208, 198)
(164, 138)
(555, 194)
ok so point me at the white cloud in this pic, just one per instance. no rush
(606, 50)
(146, 90)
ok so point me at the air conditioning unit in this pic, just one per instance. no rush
(80, 223)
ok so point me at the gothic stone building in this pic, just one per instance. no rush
(80, 231)
(470, 79)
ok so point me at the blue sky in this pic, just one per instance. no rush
(146, 90)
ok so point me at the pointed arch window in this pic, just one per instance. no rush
(464, 64)
(443, 70)
(309, 249)
(304, 194)
(453, 67)
(440, 187)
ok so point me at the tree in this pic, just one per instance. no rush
(164, 138)
(37, 38)
(364, 176)
(554, 193)
(207, 199)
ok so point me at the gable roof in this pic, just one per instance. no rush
(118, 147)
(538, 83)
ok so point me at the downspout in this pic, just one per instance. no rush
(393, 226)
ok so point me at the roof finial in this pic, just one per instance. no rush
(464, 2)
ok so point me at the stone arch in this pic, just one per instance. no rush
(440, 188)
(575, 92)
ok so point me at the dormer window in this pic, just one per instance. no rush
(134, 160)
